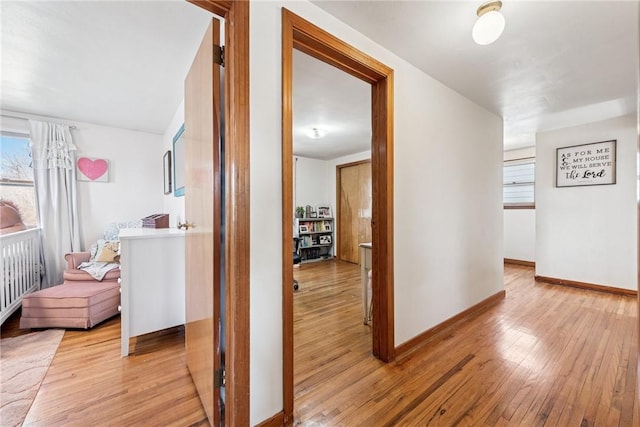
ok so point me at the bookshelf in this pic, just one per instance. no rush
(316, 238)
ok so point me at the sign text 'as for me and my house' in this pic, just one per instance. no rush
(587, 164)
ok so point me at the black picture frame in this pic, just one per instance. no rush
(178, 163)
(166, 169)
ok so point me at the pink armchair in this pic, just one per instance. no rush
(80, 302)
(74, 275)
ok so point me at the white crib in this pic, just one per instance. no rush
(20, 269)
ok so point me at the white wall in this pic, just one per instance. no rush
(520, 153)
(588, 234)
(448, 202)
(520, 224)
(311, 182)
(520, 234)
(135, 184)
(172, 205)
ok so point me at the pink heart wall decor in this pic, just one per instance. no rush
(92, 168)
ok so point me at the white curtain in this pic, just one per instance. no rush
(54, 176)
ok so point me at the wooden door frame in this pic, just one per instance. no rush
(237, 214)
(339, 199)
(312, 40)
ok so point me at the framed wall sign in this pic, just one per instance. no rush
(587, 164)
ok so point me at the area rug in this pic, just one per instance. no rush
(24, 361)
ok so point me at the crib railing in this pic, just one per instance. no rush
(20, 269)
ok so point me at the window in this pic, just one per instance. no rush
(518, 183)
(16, 175)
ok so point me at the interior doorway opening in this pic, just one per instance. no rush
(329, 331)
(302, 35)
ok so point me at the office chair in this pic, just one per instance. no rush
(296, 259)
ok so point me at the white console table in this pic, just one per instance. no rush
(153, 281)
(365, 266)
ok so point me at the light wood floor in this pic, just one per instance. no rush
(546, 355)
(89, 384)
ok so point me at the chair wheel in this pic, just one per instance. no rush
(295, 286)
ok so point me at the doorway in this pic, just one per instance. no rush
(235, 179)
(306, 37)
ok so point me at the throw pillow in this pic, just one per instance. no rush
(108, 251)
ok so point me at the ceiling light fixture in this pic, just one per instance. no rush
(316, 133)
(490, 23)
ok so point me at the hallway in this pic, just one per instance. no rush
(547, 354)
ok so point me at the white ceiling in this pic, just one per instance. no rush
(558, 63)
(329, 99)
(122, 64)
(112, 63)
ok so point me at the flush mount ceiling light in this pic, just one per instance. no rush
(490, 23)
(316, 133)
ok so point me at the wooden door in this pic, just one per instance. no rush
(354, 209)
(203, 209)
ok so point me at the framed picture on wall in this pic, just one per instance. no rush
(166, 169)
(178, 162)
(94, 170)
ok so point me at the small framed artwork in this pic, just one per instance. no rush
(324, 211)
(94, 170)
(166, 169)
(303, 229)
(325, 240)
(586, 164)
(178, 163)
(326, 226)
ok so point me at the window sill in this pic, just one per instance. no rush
(520, 206)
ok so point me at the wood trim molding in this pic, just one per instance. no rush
(237, 198)
(219, 7)
(519, 262)
(588, 286)
(238, 214)
(356, 163)
(302, 35)
(382, 218)
(276, 421)
(287, 217)
(452, 322)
